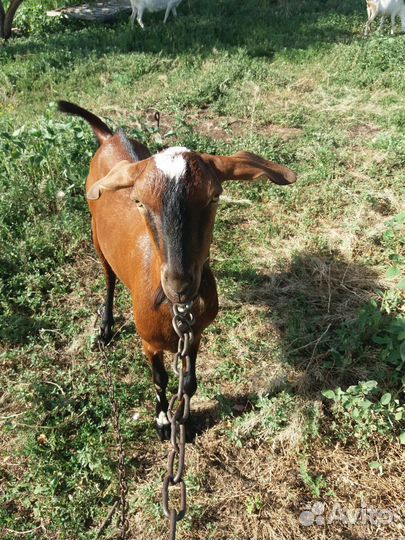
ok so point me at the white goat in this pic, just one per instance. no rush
(139, 6)
(385, 7)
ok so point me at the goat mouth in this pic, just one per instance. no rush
(162, 297)
(179, 298)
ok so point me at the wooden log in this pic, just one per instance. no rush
(95, 11)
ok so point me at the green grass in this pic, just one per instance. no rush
(295, 373)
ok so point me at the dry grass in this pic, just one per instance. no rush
(258, 492)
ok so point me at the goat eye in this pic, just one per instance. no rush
(215, 199)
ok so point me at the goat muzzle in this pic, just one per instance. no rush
(179, 287)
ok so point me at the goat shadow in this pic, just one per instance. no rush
(323, 309)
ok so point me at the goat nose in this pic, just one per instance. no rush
(180, 284)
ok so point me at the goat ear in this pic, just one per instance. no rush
(247, 166)
(122, 175)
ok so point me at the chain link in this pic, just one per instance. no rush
(123, 522)
(183, 320)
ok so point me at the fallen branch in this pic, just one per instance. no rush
(107, 519)
(23, 533)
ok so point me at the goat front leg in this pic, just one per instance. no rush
(133, 15)
(160, 380)
(381, 23)
(371, 17)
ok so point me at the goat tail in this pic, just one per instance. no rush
(100, 129)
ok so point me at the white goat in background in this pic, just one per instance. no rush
(139, 6)
(385, 7)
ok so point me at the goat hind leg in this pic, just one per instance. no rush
(367, 29)
(190, 388)
(402, 15)
(139, 18)
(392, 24)
(107, 319)
(133, 16)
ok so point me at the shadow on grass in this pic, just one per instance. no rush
(261, 27)
(324, 309)
(19, 328)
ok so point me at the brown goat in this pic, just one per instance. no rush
(152, 223)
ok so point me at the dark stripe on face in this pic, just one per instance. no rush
(175, 229)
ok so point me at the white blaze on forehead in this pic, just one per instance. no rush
(171, 162)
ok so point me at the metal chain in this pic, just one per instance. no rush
(122, 475)
(182, 321)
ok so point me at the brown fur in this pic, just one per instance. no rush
(123, 194)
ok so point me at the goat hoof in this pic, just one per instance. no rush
(164, 432)
(106, 334)
(163, 426)
(106, 326)
(190, 431)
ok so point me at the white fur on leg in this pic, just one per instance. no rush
(167, 13)
(162, 419)
(370, 20)
(384, 7)
(153, 5)
(381, 23)
(134, 13)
